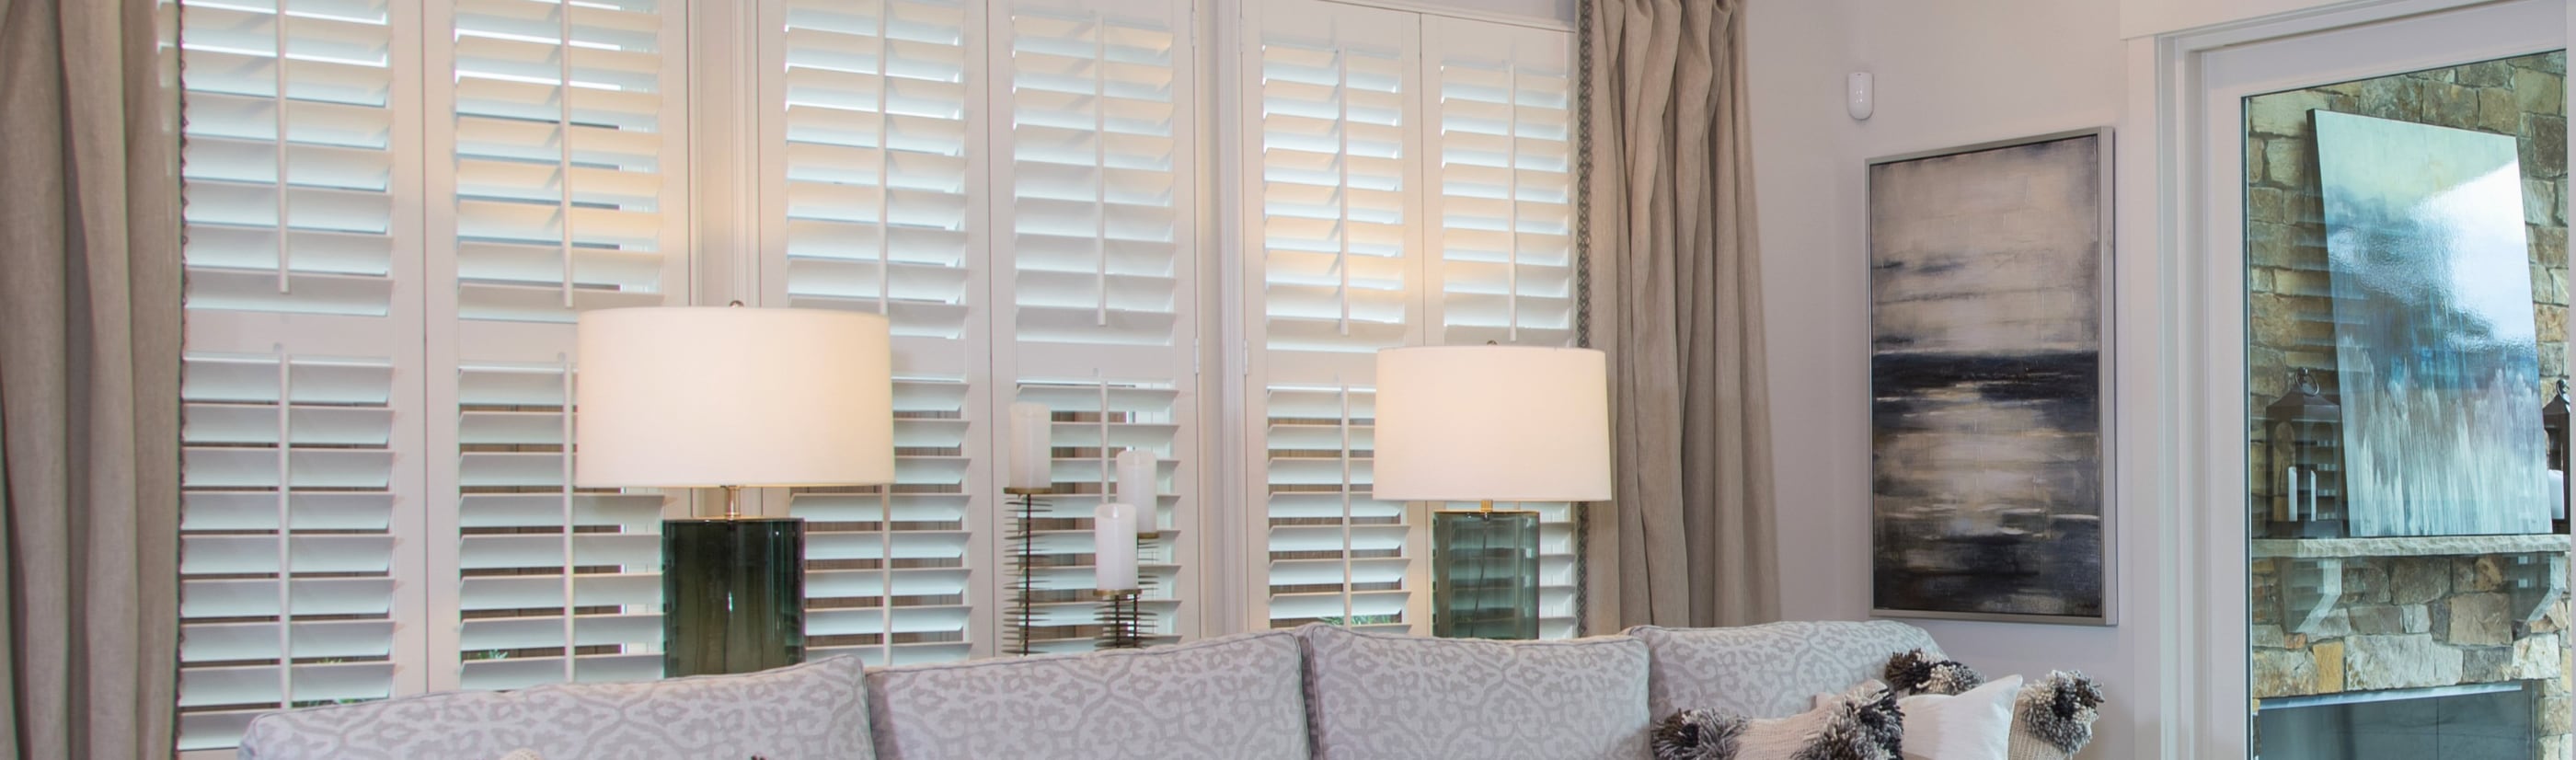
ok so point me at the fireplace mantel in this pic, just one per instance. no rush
(2407, 546)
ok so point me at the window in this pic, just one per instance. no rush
(1414, 187)
(558, 180)
(303, 471)
(390, 233)
(941, 159)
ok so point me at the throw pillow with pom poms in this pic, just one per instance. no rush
(2053, 716)
(1860, 724)
(1923, 671)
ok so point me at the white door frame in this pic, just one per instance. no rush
(2189, 87)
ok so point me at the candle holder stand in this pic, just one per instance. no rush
(1022, 617)
(1122, 619)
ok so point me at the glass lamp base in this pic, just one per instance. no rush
(1484, 574)
(733, 594)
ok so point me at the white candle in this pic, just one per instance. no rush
(1137, 486)
(2557, 495)
(2312, 496)
(1113, 538)
(1030, 461)
(2287, 508)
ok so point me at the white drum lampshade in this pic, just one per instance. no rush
(1499, 423)
(697, 397)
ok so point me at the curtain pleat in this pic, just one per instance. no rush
(89, 379)
(1669, 188)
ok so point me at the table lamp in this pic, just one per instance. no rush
(1485, 424)
(731, 397)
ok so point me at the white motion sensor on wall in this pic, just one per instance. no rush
(1858, 95)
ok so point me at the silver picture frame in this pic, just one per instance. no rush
(1996, 564)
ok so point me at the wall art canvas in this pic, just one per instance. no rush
(2436, 348)
(1989, 275)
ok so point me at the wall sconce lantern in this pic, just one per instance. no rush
(2553, 419)
(2303, 434)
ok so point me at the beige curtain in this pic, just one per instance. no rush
(89, 380)
(1671, 245)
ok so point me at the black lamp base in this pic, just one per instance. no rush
(733, 594)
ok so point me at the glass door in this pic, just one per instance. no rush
(2404, 237)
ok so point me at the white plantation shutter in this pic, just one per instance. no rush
(874, 177)
(1499, 112)
(1339, 267)
(1415, 189)
(530, 587)
(1096, 197)
(289, 538)
(881, 199)
(307, 93)
(566, 153)
(300, 573)
(873, 202)
(564, 135)
(1499, 125)
(886, 576)
(396, 209)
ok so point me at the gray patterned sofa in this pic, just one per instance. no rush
(1316, 692)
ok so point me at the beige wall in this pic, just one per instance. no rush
(1951, 73)
(1948, 73)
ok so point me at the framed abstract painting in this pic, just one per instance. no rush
(1990, 381)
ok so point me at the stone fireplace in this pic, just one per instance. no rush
(2469, 630)
(2419, 646)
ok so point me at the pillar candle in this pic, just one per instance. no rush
(1113, 537)
(2312, 496)
(1137, 486)
(2287, 508)
(2557, 495)
(1029, 456)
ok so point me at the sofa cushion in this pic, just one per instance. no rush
(1232, 697)
(1770, 670)
(810, 711)
(1379, 696)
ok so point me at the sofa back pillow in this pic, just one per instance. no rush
(462, 724)
(804, 711)
(1382, 697)
(1771, 670)
(1233, 697)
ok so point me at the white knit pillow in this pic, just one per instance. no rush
(1976, 725)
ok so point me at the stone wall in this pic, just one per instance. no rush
(2401, 621)
(2411, 623)
(2288, 306)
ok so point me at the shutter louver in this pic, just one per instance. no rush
(288, 538)
(299, 574)
(1335, 555)
(1499, 101)
(1102, 286)
(1417, 189)
(875, 205)
(558, 584)
(886, 576)
(1095, 172)
(1340, 277)
(876, 174)
(565, 155)
(1502, 99)
(289, 160)
(568, 193)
